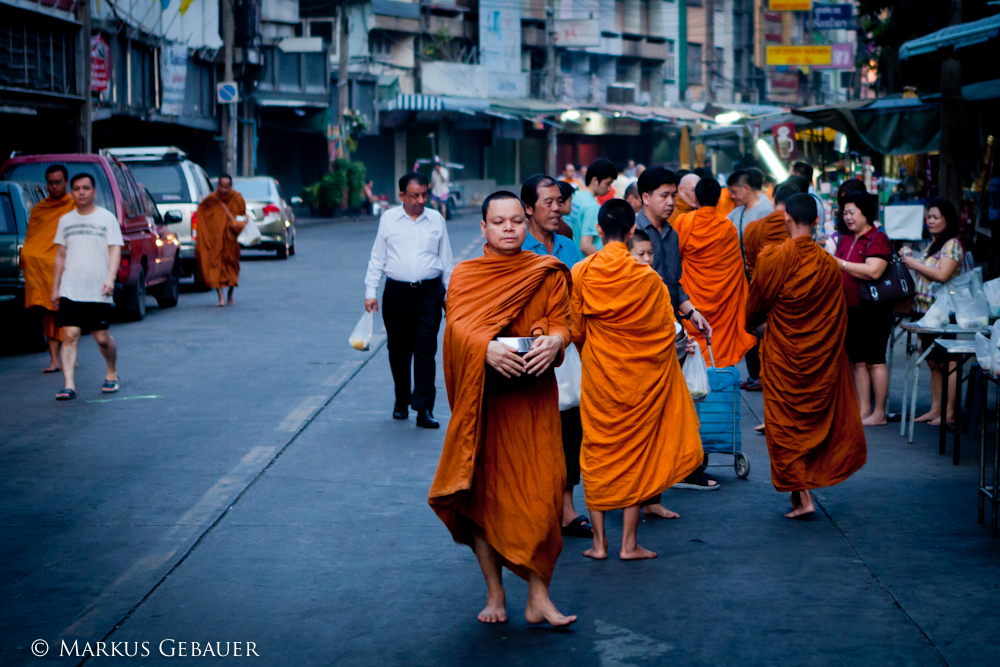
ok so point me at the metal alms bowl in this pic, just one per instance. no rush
(519, 344)
(680, 341)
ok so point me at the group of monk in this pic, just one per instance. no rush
(500, 481)
(219, 219)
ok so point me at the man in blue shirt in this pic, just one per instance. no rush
(583, 220)
(543, 202)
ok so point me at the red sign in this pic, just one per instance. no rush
(100, 64)
(784, 140)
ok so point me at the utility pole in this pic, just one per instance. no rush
(343, 91)
(949, 176)
(709, 56)
(229, 114)
(84, 126)
(551, 70)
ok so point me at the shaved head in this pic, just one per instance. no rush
(685, 189)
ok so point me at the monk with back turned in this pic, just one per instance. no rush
(499, 483)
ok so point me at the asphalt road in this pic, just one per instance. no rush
(249, 485)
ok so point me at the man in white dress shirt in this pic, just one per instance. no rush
(412, 250)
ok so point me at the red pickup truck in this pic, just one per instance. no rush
(150, 253)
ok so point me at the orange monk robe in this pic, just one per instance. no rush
(640, 428)
(814, 433)
(38, 256)
(216, 249)
(726, 203)
(502, 470)
(763, 233)
(680, 208)
(713, 277)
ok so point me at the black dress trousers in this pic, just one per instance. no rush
(412, 316)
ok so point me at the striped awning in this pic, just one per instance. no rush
(415, 103)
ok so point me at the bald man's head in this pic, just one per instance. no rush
(685, 190)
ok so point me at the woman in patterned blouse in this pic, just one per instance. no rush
(942, 261)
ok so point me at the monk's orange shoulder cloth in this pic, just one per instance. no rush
(761, 234)
(726, 203)
(640, 428)
(39, 252)
(814, 432)
(680, 208)
(216, 249)
(714, 278)
(502, 470)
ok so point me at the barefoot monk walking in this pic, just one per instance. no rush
(499, 484)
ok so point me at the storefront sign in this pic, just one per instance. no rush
(578, 32)
(832, 17)
(784, 140)
(173, 74)
(790, 5)
(799, 55)
(500, 47)
(784, 86)
(841, 57)
(100, 64)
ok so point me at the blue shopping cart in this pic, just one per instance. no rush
(720, 418)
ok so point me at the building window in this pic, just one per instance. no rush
(669, 70)
(566, 63)
(379, 44)
(623, 71)
(720, 59)
(694, 64)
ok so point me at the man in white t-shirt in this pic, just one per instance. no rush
(89, 242)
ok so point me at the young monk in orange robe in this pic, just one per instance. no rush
(640, 428)
(499, 484)
(216, 250)
(767, 231)
(814, 432)
(713, 276)
(726, 203)
(38, 256)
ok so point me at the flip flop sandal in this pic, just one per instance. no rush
(66, 395)
(109, 387)
(51, 370)
(578, 527)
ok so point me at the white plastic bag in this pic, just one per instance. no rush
(939, 314)
(984, 352)
(992, 291)
(250, 235)
(361, 338)
(569, 377)
(972, 310)
(696, 375)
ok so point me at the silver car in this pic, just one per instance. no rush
(177, 185)
(270, 211)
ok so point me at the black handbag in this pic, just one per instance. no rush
(892, 288)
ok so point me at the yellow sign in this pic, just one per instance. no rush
(799, 55)
(791, 5)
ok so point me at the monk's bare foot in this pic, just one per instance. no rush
(230, 302)
(759, 429)
(802, 506)
(638, 553)
(495, 610)
(597, 553)
(52, 368)
(874, 419)
(541, 610)
(929, 416)
(660, 511)
(220, 304)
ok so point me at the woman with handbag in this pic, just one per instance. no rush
(863, 254)
(944, 259)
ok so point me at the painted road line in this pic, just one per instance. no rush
(343, 373)
(122, 398)
(299, 415)
(467, 251)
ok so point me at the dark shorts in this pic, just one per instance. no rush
(868, 329)
(88, 315)
(572, 437)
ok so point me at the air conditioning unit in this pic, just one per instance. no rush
(621, 93)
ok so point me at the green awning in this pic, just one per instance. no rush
(952, 37)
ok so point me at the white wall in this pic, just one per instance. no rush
(198, 27)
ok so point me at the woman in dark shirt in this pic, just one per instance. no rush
(863, 254)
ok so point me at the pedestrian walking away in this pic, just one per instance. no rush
(499, 483)
(221, 218)
(814, 433)
(89, 241)
(543, 204)
(440, 191)
(413, 252)
(640, 428)
(38, 257)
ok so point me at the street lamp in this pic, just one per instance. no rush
(771, 160)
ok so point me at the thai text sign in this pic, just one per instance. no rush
(578, 32)
(799, 55)
(790, 5)
(832, 17)
(173, 65)
(100, 64)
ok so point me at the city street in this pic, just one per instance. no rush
(249, 485)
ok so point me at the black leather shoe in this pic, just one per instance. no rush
(400, 412)
(425, 419)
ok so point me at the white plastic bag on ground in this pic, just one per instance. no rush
(361, 338)
(972, 310)
(992, 290)
(250, 235)
(696, 375)
(569, 376)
